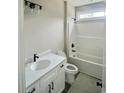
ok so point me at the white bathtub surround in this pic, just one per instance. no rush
(32, 76)
(88, 67)
(89, 39)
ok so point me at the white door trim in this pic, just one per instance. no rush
(21, 58)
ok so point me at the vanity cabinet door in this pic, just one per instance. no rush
(44, 86)
(53, 81)
(46, 82)
(59, 82)
(34, 88)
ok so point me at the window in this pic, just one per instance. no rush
(96, 10)
(91, 15)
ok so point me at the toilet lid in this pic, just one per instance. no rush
(70, 68)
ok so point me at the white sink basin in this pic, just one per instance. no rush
(40, 65)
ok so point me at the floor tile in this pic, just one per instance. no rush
(85, 84)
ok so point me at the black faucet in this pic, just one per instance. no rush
(35, 57)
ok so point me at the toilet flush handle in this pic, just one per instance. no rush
(62, 66)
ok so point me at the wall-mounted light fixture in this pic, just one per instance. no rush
(32, 5)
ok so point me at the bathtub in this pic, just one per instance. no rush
(91, 68)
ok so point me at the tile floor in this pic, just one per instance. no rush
(85, 84)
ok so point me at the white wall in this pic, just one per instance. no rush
(45, 30)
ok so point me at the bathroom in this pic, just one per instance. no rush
(64, 46)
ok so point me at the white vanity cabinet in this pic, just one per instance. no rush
(53, 81)
(59, 82)
(34, 88)
(46, 80)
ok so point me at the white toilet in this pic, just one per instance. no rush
(70, 69)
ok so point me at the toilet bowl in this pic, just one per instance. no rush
(70, 69)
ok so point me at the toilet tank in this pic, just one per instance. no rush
(62, 53)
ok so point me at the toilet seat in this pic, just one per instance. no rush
(70, 68)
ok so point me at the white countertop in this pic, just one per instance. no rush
(32, 76)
